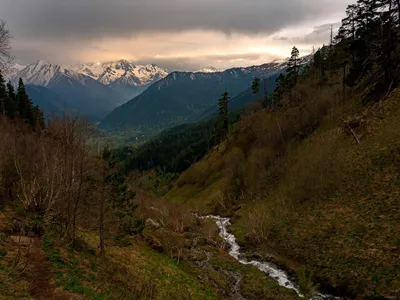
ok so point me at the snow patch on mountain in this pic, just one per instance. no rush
(210, 70)
(42, 73)
(122, 72)
(12, 70)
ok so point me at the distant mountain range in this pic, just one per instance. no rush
(123, 76)
(183, 97)
(71, 90)
(91, 90)
(158, 99)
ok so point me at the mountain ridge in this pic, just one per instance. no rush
(122, 75)
(183, 96)
(79, 93)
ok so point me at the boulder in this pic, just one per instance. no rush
(151, 223)
(22, 240)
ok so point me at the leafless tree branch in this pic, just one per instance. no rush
(5, 47)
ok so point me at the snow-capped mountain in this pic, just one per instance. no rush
(11, 71)
(122, 75)
(122, 71)
(76, 91)
(42, 73)
(210, 70)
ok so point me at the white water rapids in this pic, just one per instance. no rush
(272, 270)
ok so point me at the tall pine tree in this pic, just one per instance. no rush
(294, 62)
(223, 109)
(293, 69)
(38, 117)
(12, 109)
(25, 106)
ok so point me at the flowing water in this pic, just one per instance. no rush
(271, 269)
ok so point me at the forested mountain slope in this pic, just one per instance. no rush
(184, 96)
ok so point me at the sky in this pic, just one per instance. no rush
(175, 34)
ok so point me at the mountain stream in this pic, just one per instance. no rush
(271, 269)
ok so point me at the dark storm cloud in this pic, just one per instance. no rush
(92, 19)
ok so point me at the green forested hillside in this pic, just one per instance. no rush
(183, 97)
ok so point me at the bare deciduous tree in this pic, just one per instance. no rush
(5, 47)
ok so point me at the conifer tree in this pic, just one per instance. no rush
(3, 96)
(38, 116)
(255, 86)
(223, 109)
(293, 69)
(12, 110)
(319, 63)
(294, 62)
(281, 87)
(25, 106)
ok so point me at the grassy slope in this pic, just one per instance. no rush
(132, 272)
(327, 203)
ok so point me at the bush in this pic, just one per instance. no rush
(306, 283)
(20, 211)
(34, 225)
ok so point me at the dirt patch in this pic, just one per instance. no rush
(41, 277)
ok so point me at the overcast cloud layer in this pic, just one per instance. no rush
(179, 34)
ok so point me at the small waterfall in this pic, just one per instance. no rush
(271, 269)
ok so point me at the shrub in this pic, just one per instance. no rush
(306, 283)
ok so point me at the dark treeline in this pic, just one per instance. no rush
(174, 150)
(18, 105)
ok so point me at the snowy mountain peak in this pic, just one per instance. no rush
(210, 70)
(42, 73)
(12, 71)
(121, 75)
(39, 73)
(122, 71)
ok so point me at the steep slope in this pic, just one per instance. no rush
(123, 76)
(49, 102)
(314, 183)
(244, 98)
(39, 73)
(80, 93)
(84, 94)
(184, 96)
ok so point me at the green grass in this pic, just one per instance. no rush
(69, 274)
(125, 272)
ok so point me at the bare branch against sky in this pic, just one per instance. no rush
(5, 46)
